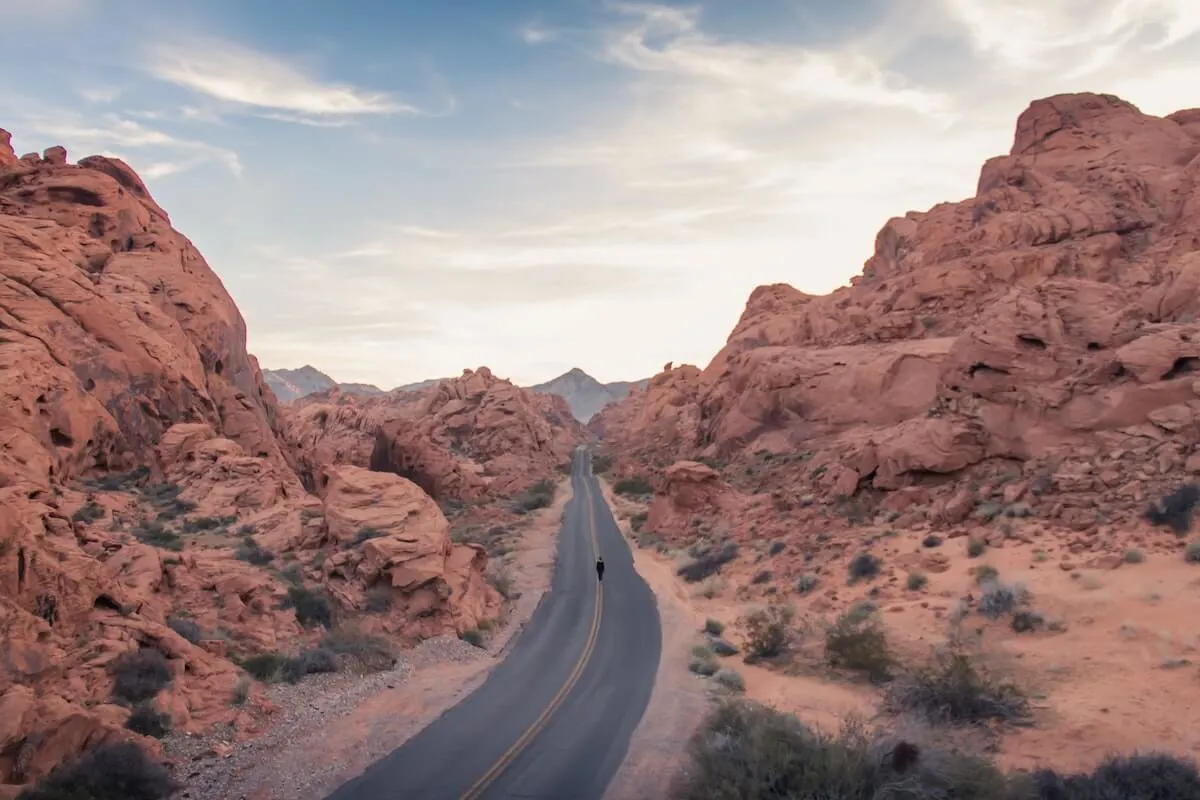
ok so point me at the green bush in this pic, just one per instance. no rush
(746, 751)
(768, 631)
(120, 771)
(916, 581)
(473, 637)
(864, 565)
(1191, 553)
(633, 486)
(975, 547)
(139, 675)
(856, 641)
(148, 721)
(265, 667)
(714, 627)
(369, 652)
(953, 691)
(312, 608)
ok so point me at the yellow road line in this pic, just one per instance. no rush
(523, 740)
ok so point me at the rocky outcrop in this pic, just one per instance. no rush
(404, 555)
(465, 438)
(1044, 325)
(146, 502)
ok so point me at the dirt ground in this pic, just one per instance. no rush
(305, 757)
(658, 747)
(1114, 671)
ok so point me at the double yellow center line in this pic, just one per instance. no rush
(510, 755)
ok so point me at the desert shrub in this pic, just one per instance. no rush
(265, 667)
(722, 647)
(186, 628)
(1134, 556)
(761, 577)
(975, 547)
(365, 534)
(250, 552)
(165, 497)
(293, 574)
(856, 641)
(1191, 553)
(864, 565)
(501, 579)
(89, 512)
(953, 691)
(998, 599)
(120, 771)
(1025, 621)
(1175, 510)
(703, 661)
(806, 583)
(139, 675)
(636, 485)
(776, 548)
(474, 637)
(310, 662)
(713, 627)
(638, 520)
(312, 608)
(241, 692)
(539, 495)
(379, 599)
(985, 573)
(1146, 776)
(730, 679)
(768, 630)
(245, 530)
(148, 721)
(370, 652)
(708, 562)
(200, 524)
(748, 751)
(158, 535)
(916, 581)
(932, 540)
(601, 464)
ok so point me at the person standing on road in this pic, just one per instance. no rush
(600, 568)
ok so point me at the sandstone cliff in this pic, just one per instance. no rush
(463, 439)
(148, 513)
(1034, 345)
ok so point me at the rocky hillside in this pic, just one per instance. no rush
(292, 384)
(464, 439)
(1029, 351)
(584, 394)
(154, 531)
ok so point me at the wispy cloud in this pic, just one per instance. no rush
(100, 95)
(266, 84)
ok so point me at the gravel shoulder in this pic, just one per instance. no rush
(680, 700)
(329, 728)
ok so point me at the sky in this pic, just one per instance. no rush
(395, 190)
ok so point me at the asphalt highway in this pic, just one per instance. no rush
(553, 719)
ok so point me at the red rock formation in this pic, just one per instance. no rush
(142, 479)
(464, 439)
(1045, 326)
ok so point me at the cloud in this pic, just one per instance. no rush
(1085, 35)
(243, 77)
(100, 95)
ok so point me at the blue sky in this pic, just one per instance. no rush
(396, 190)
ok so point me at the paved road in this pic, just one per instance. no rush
(553, 720)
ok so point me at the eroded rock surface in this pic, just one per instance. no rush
(1037, 341)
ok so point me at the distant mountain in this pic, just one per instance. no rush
(292, 384)
(586, 395)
